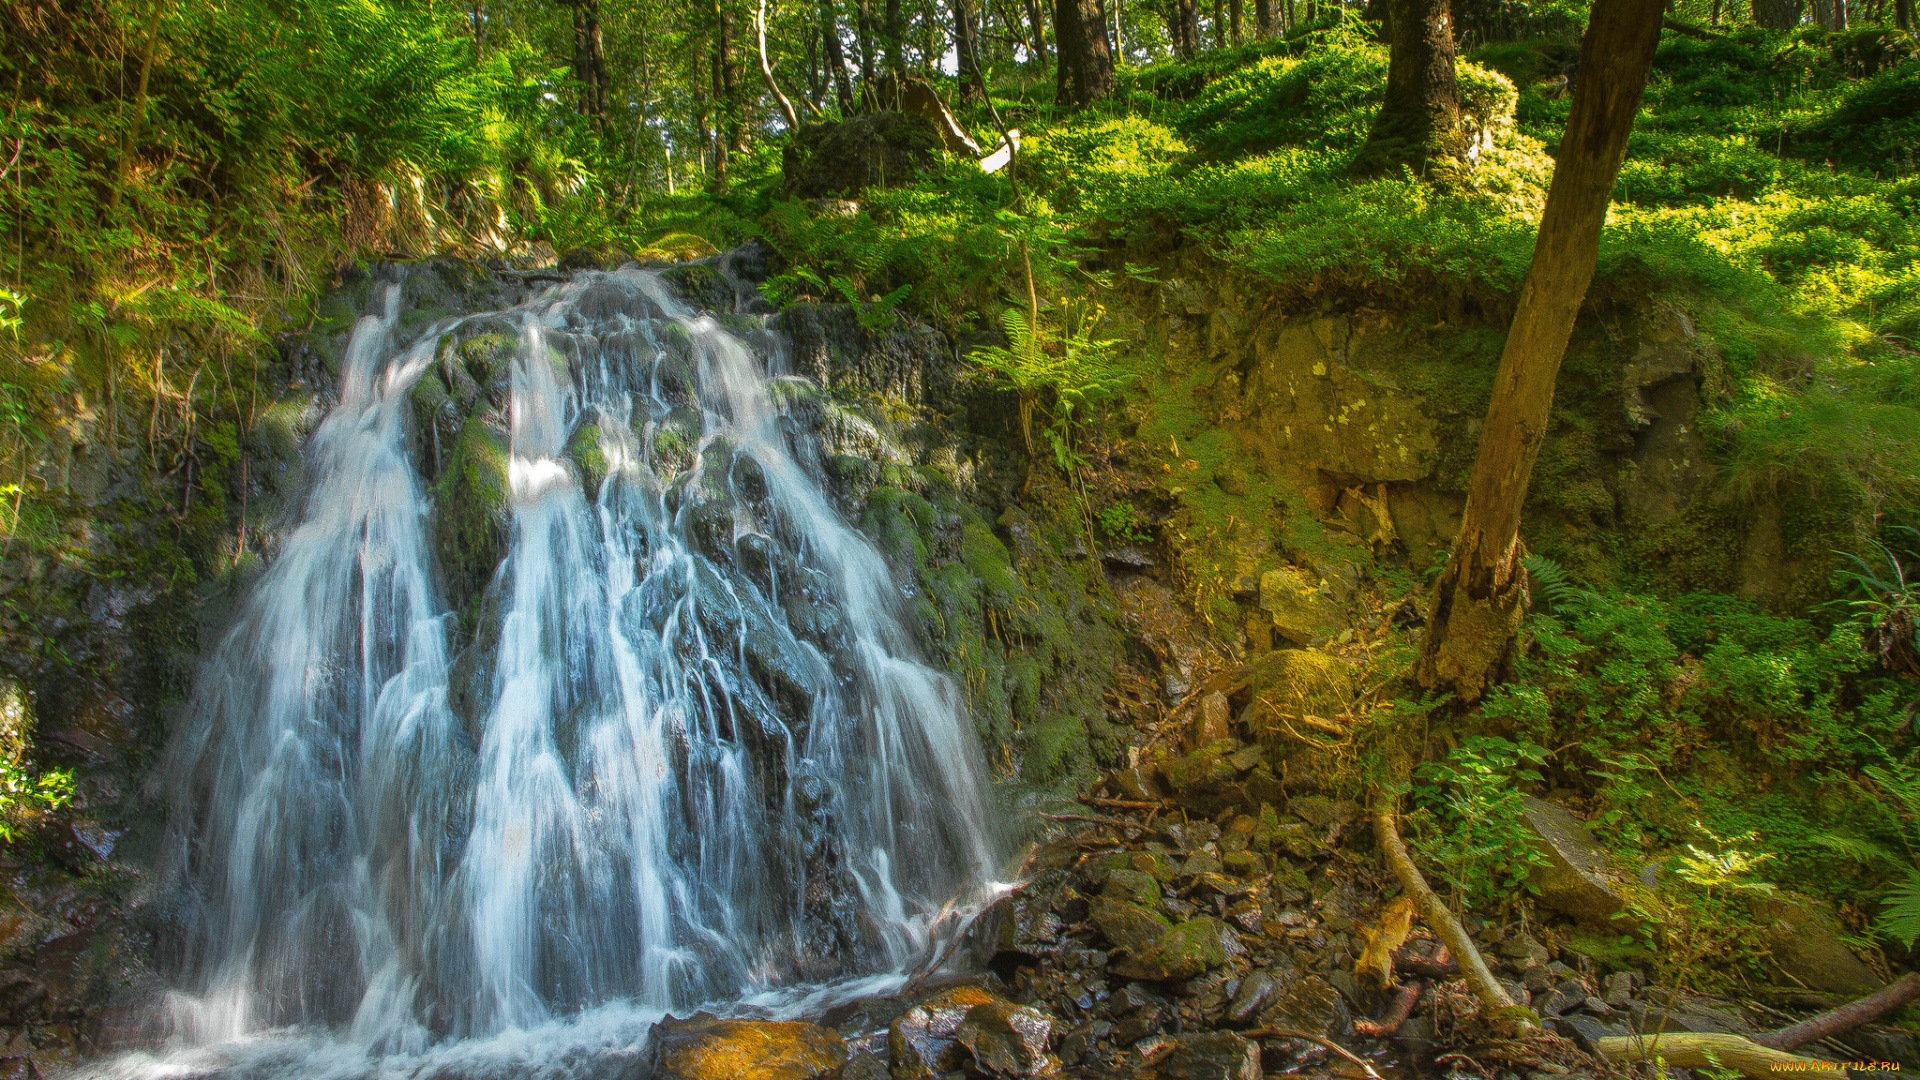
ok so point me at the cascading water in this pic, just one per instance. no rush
(707, 763)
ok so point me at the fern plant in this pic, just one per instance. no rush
(1886, 604)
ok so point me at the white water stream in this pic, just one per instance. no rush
(708, 766)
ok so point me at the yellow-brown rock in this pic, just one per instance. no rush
(705, 1047)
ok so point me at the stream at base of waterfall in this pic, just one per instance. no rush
(684, 752)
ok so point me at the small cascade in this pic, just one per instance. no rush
(705, 763)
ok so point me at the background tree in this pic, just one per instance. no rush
(1085, 67)
(1419, 125)
(1478, 598)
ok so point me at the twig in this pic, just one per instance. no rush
(1289, 1033)
(1404, 1000)
(1900, 992)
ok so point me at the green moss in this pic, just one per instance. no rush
(470, 515)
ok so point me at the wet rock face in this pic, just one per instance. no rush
(923, 1043)
(1219, 1055)
(1007, 1039)
(704, 1047)
(1180, 953)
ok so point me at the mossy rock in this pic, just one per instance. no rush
(1180, 953)
(1128, 925)
(583, 450)
(879, 149)
(1132, 886)
(472, 523)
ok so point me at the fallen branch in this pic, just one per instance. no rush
(1694, 1049)
(1404, 999)
(1690, 30)
(1900, 992)
(1438, 966)
(1493, 997)
(1119, 823)
(1124, 804)
(1288, 1033)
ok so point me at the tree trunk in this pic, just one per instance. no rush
(1084, 72)
(836, 59)
(589, 62)
(863, 36)
(1233, 20)
(1419, 125)
(1037, 19)
(1219, 25)
(479, 28)
(726, 87)
(1477, 599)
(1263, 18)
(1777, 14)
(896, 43)
(1903, 15)
(963, 46)
(1189, 28)
(1715, 21)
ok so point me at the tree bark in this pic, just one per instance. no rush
(726, 75)
(1698, 1049)
(1903, 15)
(1233, 20)
(1084, 69)
(1263, 18)
(1897, 994)
(1477, 599)
(1777, 14)
(967, 47)
(1189, 28)
(723, 119)
(1419, 125)
(130, 141)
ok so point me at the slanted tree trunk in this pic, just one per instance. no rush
(1419, 125)
(1777, 14)
(1477, 599)
(1085, 67)
(836, 58)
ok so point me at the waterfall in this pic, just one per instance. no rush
(708, 763)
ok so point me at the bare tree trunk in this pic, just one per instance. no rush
(766, 69)
(723, 119)
(1189, 28)
(590, 62)
(863, 36)
(1263, 16)
(896, 43)
(1777, 14)
(479, 27)
(1419, 125)
(968, 48)
(1477, 599)
(1037, 19)
(836, 60)
(1085, 66)
(1903, 15)
(1233, 20)
(130, 141)
(726, 82)
(1219, 25)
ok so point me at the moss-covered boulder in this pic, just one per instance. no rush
(879, 149)
(1133, 887)
(1128, 925)
(1180, 953)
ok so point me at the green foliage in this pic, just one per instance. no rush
(1886, 601)
(1468, 823)
(1123, 521)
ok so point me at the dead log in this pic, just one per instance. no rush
(1493, 997)
(1695, 1049)
(1404, 999)
(1894, 995)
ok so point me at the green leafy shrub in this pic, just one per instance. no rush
(1468, 823)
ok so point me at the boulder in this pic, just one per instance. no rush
(1219, 1055)
(1180, 953)
(1133, 887)
(1302, 611)
(1211, 722)
(1128, 925)
(1576, 879)
(1007, 1039)
(1255, 992)
(705, 1047)
(922, 1042)
(879, 149)
(1805, 942)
